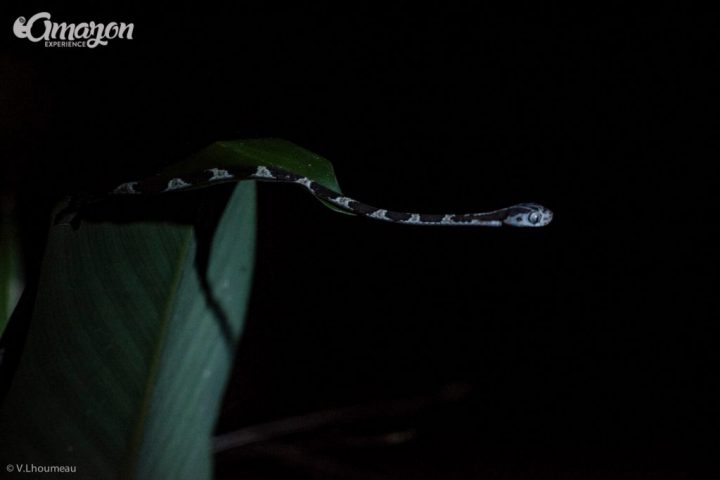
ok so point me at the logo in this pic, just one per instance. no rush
(86, 34)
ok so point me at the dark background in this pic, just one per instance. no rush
(588, 346)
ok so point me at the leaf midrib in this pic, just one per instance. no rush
(137, 437)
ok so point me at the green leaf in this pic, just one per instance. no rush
(135, 322)
(131, 342)
(264, 151)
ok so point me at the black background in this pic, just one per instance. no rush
(589, 346)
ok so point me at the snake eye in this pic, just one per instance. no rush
(534, 218)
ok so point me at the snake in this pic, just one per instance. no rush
(519, 215)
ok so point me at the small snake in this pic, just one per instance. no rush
(520, 215)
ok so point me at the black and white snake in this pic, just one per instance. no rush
(520, 215)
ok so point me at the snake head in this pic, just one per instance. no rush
(528, 215)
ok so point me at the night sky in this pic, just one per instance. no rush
(587, 346)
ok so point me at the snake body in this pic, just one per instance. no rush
(520, 215)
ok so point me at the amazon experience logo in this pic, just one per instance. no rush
(64, 35)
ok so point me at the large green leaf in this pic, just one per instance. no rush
(135, 321)
(131, 342)
(261, 151)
